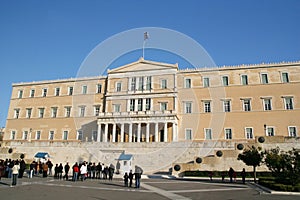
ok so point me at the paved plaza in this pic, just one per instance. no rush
(153, 188)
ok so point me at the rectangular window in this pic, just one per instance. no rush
(163, 106)
(81, 111)
(99, 88)
(13, 135)
(226, 106)
(67, 111)
(148, 83)
(188, 83)
(70, 90)
(80, 135)
(188, 134)
(38, 135)
(249, 133)
(148, 104)
(97, 110)
(270, 131)
(225, 80)
(44, 92)
(140, 104)
(228, 134)
(117, 108)
(292, 131)
(132, 104)
(188, 107)
(247, 104)
(84, 89)
(264, 79)
(25, 135)
(141, 83)
(51, 135)
(57, 91)
(94, 135)
(244, 79)
(133, 83)
(28, 112)
(118, 87)
(65, 135)
(20, 94)
(206, 82)
(164, 84)
(267, 104)
(285, 77)
(53, 112)
(288, 103)
(208, 134)
(41, 112)
(17, 113)
(207, 107)
(32, 91)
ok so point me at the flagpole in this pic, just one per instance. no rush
(144, 49)
(146, 36)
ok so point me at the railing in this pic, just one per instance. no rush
(136, 113)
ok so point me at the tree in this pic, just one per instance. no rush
(252, 157)
(285, 166)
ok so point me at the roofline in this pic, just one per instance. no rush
(59, 80)
(142, 60)
(242, 66)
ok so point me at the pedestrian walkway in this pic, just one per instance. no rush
(154, 189)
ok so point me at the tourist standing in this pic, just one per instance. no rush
(67, 168)
(138, 174)
(45, 170)
(126, 177)
(15, 172)
(243, 174)
(230, 174)
(130, 176)
(83, 171)
(75, 171)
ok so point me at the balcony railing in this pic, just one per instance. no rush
(137, 113)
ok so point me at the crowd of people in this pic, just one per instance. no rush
(78, 171)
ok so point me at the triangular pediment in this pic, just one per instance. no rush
(143, 65)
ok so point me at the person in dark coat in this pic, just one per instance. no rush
(22, 168)
(67, 169)
(126, 177)
(130, 176)
(243, 174)
(230, 174)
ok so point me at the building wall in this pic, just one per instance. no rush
(177, 94)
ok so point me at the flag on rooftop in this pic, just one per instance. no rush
(146, 35)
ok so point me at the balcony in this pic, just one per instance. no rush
(147, 113)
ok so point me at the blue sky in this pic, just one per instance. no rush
(44, 40)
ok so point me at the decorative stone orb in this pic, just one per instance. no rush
(198, 160)
(261, 139)
(219, 153)
(177, 167)
(240, 146)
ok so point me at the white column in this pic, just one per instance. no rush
(122, 132)
(99, 133)
(105, 133)
(114, 133)
(139, 132)
(130, 133)
(156, 132)
(166, 132)
(147, 132)
(174, 129)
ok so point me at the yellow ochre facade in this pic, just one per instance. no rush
(152, 102)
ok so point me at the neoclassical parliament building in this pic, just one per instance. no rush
(152, 102)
